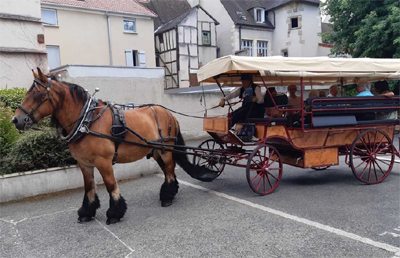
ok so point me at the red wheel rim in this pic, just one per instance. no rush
(264, 169)
(372, 156)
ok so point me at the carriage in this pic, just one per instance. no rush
(322, 129)
(100, 133)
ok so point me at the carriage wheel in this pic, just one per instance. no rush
(372, 156)
(264, 169)
(211, 161)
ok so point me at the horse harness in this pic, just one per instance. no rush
(118, 128)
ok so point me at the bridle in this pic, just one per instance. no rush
(30, 118)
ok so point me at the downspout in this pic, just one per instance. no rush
(240, 37)
(109, 38)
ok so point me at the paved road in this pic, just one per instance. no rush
(312, 214)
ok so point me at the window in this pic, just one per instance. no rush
(294, 22)
(262, 48)
(248, 45)
(49, 17)
(206, 37)
(130, 25)
(285, 52)
(260, 15)
(53, 56)
(135, 58)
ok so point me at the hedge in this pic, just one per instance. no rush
(12, 97)
(8, 132)
(37, 150)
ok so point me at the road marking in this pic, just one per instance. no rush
(37, 216)
(308, 222)
(116, 237)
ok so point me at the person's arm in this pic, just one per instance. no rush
(233, 94)
(259, 96)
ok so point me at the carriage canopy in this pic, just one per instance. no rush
(277, 70)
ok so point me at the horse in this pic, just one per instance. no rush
(67, 104)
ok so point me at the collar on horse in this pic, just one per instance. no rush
(82, 124)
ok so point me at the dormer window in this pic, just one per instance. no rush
(260, 15)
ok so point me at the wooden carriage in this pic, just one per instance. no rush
(324, 128)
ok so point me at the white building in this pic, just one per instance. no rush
(266, 27)
(185, 39)
(22, 45)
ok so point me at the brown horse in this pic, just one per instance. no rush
(66, 102)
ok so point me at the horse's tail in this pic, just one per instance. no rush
(198, 172)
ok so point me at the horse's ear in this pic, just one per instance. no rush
(35, 74)
(42, 76)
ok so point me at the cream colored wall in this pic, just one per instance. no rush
(31, 8)
(83, 38)
(142, 40)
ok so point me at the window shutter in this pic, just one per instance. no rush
(128, 57)
(142, 58)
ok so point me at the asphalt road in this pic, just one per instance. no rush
(312, 214)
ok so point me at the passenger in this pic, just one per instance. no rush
(252, 105)
(382, 89)
(321, 94)
(293, 101)
(363, 91)
(280, 99)
(313, 94)
(333, 91)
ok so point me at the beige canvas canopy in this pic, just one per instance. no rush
(279, 70)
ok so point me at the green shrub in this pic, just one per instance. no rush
(12, 97)
(37, 150)
(8, 132)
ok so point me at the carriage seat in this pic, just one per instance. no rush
(351, 110)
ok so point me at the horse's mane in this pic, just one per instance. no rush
(77, 92)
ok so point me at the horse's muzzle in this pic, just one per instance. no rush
(22, 122)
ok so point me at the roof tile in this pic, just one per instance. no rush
(118, 6)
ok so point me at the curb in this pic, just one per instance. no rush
(21, 185)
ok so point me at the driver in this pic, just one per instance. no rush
(252, 105)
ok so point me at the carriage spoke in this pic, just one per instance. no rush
(363, 171)
(376, 176)
(379, 167)
(369, 171)
(269, 182)
(273, 176)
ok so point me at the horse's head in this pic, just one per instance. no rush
(37, 103)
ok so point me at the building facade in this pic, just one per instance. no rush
(22, 45)
(265, 28)
(98, 32)
(185, 39)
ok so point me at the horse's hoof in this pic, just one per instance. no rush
(84, 219)
(112, 221)
(166, 203)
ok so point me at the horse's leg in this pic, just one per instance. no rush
(90, 201)
(170, 186)
(117, 202)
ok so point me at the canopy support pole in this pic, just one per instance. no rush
(223, 93)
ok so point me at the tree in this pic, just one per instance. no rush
(364, 28)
